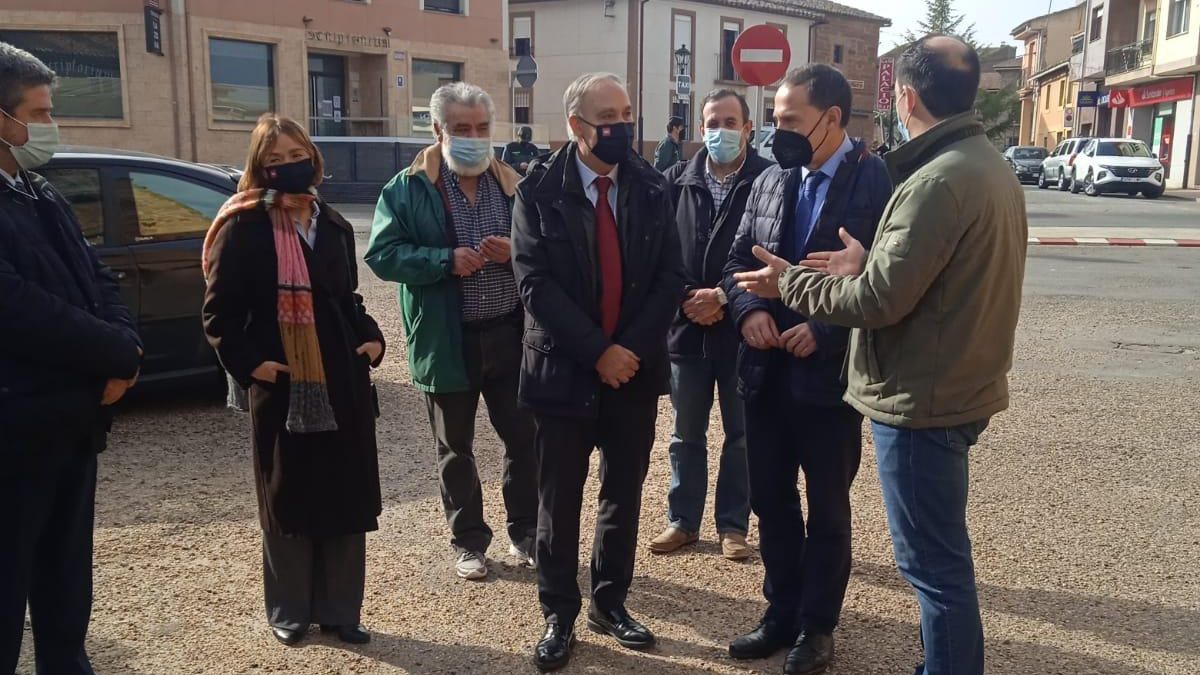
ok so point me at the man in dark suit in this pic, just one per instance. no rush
(68, 349)
(597, 261)
(827, 190)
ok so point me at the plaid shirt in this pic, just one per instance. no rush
(491, 292)
(719, 189)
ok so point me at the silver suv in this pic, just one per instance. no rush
(1058, 168)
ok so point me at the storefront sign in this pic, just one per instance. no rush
(1068, 117)
(1118, 98)
(1087, 99)
(154, 30)
(883, 96)
(1154, 93)
(324, 38)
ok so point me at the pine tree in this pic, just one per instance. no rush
(940, 17)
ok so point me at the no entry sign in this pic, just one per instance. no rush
(761, 55)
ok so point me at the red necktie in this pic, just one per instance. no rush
(608, 252)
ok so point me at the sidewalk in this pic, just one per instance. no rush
(1185, 195)
(1114, 236)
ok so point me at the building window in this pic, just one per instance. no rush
(768, 116)
(1097, 23)
(427, 76)
(1150, 24)
(683, 27)
(88, 66)
(81, 187)
(1177, 18)
(522, 106)
(444, 6)
(1077, 44)
(837, 53)
(1046, 97)
(172, 208)
(243, 79)
(1062, 93)
(730, 30)
(522, 35)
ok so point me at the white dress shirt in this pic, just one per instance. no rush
(588, 178)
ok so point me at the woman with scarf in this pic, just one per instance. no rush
(284, 317)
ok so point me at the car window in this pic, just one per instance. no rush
(173, 207)
(1029, 153)
(81, 187)
(1123, 149)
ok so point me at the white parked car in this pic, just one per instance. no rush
(1057, 167)
(1118, 165)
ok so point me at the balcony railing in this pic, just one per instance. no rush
(1129, 57)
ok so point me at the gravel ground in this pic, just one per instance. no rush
(1084, 513)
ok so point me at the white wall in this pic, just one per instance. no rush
(706, 55)
(571, 38)
(1179, 147)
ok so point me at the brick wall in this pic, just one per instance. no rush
(859, 42)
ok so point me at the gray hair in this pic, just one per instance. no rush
(573, 96)
(462, 94)
(20, 70)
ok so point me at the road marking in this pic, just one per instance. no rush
(1113, 241)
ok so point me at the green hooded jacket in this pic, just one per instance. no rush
(412, 243)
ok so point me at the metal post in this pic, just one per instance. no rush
(641, 124)
(759, 135)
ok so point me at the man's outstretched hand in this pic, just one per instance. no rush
(764, 282)
(846, 262)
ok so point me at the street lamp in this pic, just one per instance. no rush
(683, 56)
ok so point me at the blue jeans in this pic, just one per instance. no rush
(692, 383)
(923, 473)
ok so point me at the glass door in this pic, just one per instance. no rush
(326, 94)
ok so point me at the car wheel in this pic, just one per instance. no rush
(1076, 186)
(1152, 194)
(1042, 181)
(1089, 186)
(1062, 182)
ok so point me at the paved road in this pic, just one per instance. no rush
(1054, 209)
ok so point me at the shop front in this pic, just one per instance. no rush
(1160, 114)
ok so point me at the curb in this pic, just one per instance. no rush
(1112, 241)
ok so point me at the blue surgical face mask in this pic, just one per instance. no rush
(724, 145)
(901, 127)
(470, 152)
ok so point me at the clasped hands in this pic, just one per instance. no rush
(468, 261)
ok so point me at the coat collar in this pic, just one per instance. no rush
(548, 180)
(905, 160)
(429, 163)
(693, 173)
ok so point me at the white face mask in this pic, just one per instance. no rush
(42, 143)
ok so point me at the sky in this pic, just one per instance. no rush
(993, 19)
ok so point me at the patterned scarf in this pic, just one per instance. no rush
(309, 410)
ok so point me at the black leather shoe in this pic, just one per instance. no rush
(812, 654)
(350, 634)
(288, 636)
(765, 640)
(553, 651)
(617, 623)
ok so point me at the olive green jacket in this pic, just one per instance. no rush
(935, 310)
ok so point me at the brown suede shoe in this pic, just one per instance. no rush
(672, 539)
(734, 546)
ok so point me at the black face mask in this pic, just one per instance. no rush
(793, 149)
(614, 142)
(294, 178)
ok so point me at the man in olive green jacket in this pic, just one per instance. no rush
(934, 309)
(441, 231)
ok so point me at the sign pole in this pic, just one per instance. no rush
(758, 137)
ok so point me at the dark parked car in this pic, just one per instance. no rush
(147, 215)
(1026, 162)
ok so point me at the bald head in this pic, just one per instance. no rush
(943, 72)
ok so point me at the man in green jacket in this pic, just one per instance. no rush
(441, 231)
(934, 310)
